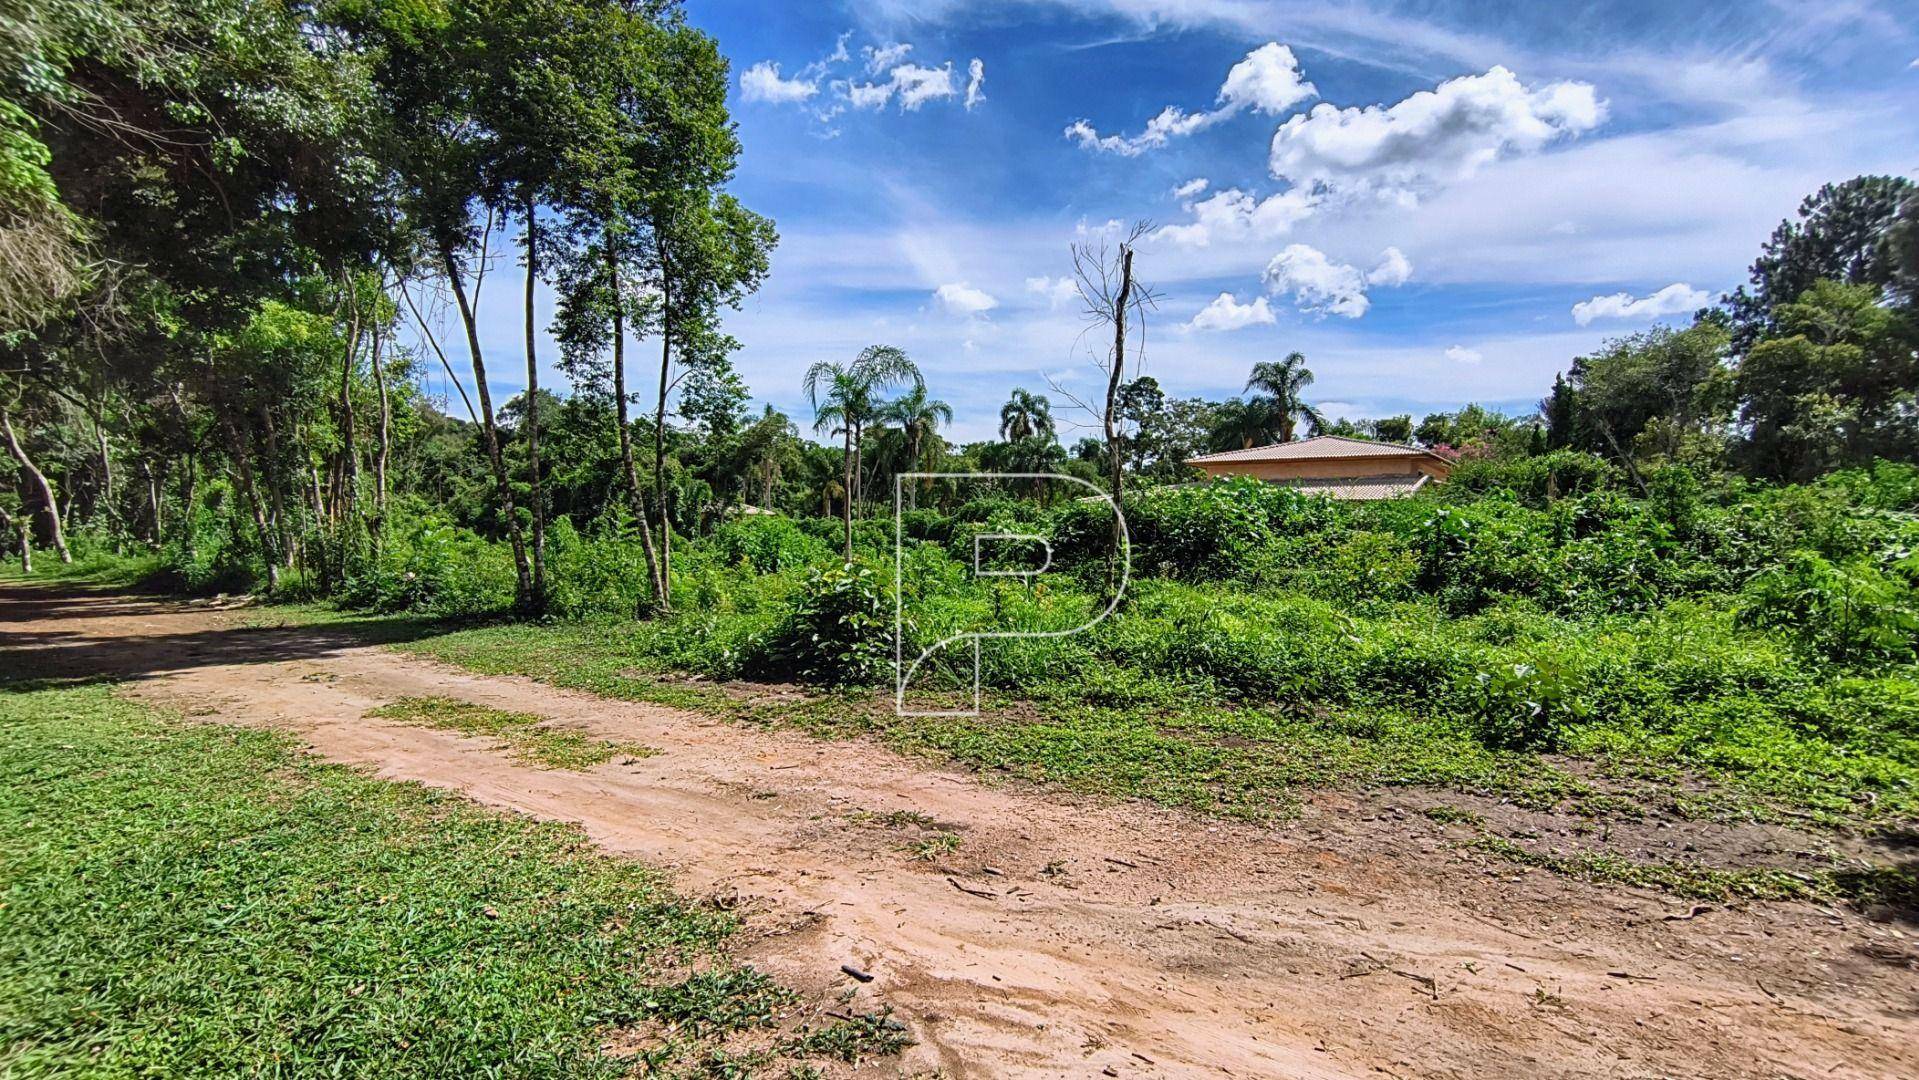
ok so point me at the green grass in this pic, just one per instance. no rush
(527, 737)
(1866, 885)
(184, 899)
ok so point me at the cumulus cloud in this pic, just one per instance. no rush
(1393, 269)
(1232, 214)
(762, 82)
(1267, 80)
(959, 298)
(912, 84)
(1676, 299)
(1432, 137)
(1056, 290)
(1227, 313)
(975, 82)
(1190, 189)
(1322, 287)
(1459, 354)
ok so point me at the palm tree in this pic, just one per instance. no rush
(917, 418)
(1279, 383)
(1025, 415)
(845, 399)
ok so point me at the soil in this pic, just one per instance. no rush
(1068, 936)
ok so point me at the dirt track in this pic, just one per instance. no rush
(1069, 937)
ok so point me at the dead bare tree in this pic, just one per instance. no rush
(1110, 296)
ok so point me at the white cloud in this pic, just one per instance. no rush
(1190, 188)
(1317, 284)
(959, 298)
(975, 82)
(1324, 287)
(1459, 354)
(1267, 80)
(1227, 313)
(1056, 290)
(762, 82)
(1232, 214)
(913, 84)
(1676, 299)
(884, 57)
(1394, 268)
(1432, 137)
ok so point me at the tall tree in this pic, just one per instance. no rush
(845, 400)
(1025, 415)
(1278, 386)
(917, 419)
(1837, 236)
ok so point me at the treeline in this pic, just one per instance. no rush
(218, 213)
(229, 230)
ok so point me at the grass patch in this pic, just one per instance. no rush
(928, 848)
(1867, 885)
(201, 900)
(527, 737)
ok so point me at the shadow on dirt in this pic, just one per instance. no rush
(42, 658)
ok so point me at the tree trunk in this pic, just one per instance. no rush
(846, 490)
(659, 442)
(1112, 398)
(243, 466)
(190, 482)
(152, 477)
(20, 528)
(43, 486)
(276, 486)
(634, 492)
(533, 413)
(489, 433)
(349, 468)
(386, 443)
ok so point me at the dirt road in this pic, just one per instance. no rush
(1069, 937)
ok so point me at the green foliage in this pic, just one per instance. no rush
(839, 631)
(204, 900)
(1850, 612)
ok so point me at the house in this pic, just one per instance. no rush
(1334, 465)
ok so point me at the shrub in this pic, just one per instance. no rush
(1846, 612)
(839, 631)
(768, 544)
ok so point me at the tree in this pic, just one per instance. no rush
(845, 400)
(1279, 383)
(1649, 388)
(1110, 297)
(1839, 236)
(1835, 387)
(917, 419)
(1025, 415)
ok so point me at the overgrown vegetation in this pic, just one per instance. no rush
(196, 900)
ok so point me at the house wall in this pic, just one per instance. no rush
(1330, 468)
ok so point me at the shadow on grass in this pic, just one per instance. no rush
(70, 633)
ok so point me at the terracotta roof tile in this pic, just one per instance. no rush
(1317, 448)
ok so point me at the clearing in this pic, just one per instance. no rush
(1020, 931)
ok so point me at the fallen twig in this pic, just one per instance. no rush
(954, 882)
(863, 976)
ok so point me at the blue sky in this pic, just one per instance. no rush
(1436, 203)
